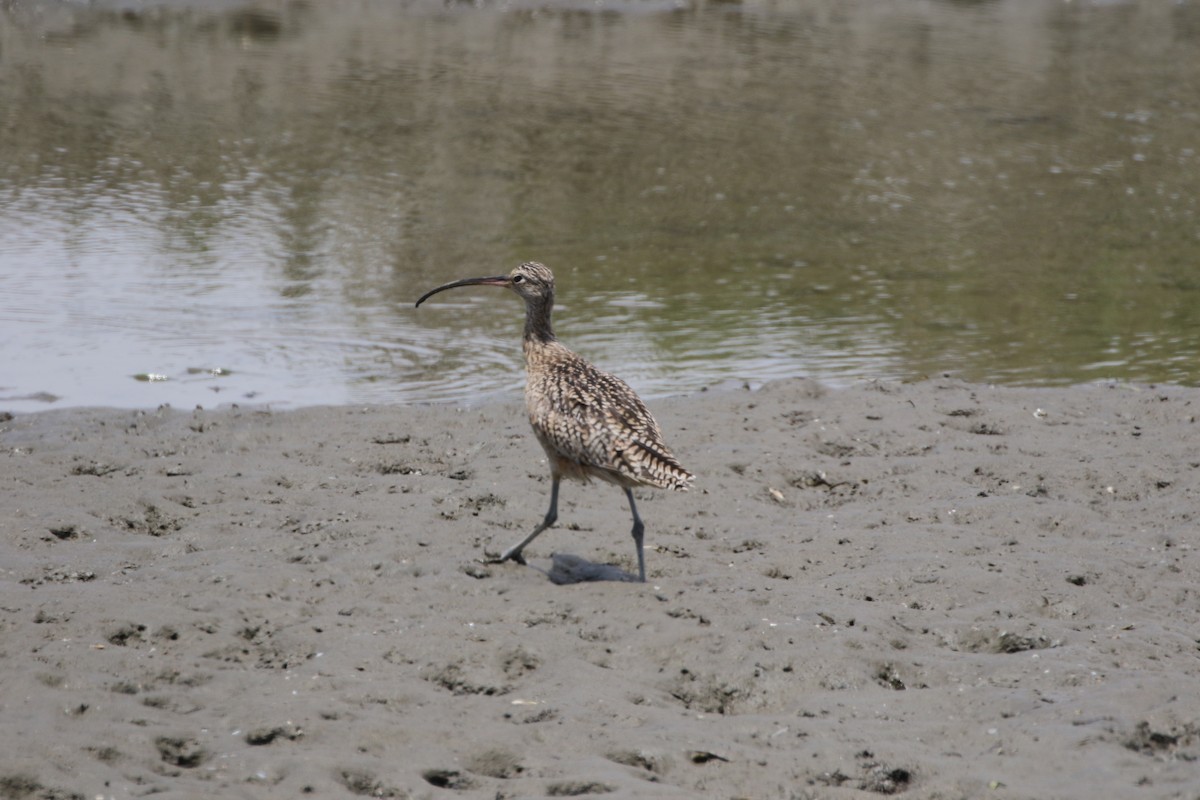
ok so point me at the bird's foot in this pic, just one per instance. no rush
(508, 555)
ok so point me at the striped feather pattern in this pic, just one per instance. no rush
(591, 424)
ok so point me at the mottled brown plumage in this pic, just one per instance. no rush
(590, 423)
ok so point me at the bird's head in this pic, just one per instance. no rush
(531, 280)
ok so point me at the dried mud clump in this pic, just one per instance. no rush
(1158, 744)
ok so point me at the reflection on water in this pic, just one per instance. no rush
(726, 191)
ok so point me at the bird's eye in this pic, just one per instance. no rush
(518, 278)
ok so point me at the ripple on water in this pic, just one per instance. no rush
(734, 193)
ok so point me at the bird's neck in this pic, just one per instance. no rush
(537, 321)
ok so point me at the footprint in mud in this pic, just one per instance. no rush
(181, 751)
(1158, 744)
(518, 662)
(639, 759)
(454, 679)
(876, 776)
(20, 785)
(364, 783)
(447, 779)
(267, 735)
(150, 521)
(1001, 642)
(577, 788)
(707, 693)
(494, 764)
(130, 632)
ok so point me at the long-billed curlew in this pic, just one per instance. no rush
(591, 424)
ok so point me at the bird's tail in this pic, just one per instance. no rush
(659, 467)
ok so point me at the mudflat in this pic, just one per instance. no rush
(933, 590)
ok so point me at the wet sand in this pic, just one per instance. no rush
(937, 590)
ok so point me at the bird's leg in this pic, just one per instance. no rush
(638, 534)
(514, 553)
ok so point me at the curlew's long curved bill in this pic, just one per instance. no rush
(498, 280)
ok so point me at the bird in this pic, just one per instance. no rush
(590, 423)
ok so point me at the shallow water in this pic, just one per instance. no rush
(223, 202)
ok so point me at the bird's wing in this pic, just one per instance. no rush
(596, 420)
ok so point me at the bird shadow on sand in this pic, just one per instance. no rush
(568, 569)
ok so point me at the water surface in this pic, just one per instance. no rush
(240, 202)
